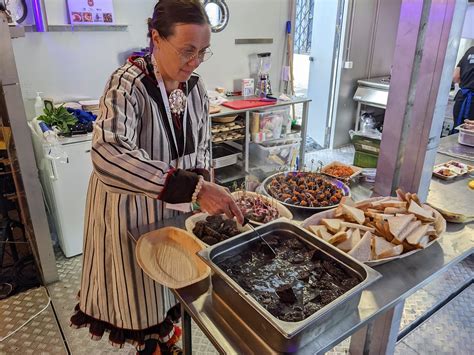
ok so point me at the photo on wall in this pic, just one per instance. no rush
(91, 12)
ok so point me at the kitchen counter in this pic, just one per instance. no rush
(452, 195)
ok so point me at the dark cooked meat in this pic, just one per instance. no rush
(286, 294)
(292, 285)
(215, 229)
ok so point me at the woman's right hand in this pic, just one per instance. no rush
(215, 199)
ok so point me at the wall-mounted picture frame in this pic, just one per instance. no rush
(91, 12)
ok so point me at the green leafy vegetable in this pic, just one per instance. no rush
(59, 117)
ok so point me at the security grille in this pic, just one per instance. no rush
(303, 26)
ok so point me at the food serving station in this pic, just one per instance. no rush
(236, 319)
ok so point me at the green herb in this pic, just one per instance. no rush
(59, 117)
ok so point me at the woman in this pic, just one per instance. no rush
(150, 153)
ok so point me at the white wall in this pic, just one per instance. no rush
(248, 19)
(69, 65)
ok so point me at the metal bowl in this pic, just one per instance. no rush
(339, 184)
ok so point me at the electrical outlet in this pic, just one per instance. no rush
(348, 65)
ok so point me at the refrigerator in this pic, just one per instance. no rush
(65, 188)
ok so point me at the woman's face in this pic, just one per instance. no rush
(181, 53)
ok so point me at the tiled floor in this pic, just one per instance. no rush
(454, 321)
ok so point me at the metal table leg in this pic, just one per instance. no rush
(187, 334)
(304, 128)
(380, 335)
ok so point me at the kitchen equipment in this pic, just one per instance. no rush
(466, 136)
(339, 184)
(284, 336)
(246, 222)
(250, 103)
(264, 87)
(224, 119)
(168, 256)
(224, 155)
(440, 227)
(63, 183)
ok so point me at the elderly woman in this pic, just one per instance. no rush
(150, 157)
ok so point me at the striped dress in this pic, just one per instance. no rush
(135, 172)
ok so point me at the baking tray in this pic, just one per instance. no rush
(285, 336)
(315, 220)
(345, 189)
(455, 175)
(223, 155)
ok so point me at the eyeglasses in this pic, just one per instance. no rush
(186, 56)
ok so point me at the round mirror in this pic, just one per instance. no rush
(218, 14)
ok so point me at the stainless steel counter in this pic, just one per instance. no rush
(452, 195)
(374, 325)
(381, 300)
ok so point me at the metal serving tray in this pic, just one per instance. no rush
(284, 336)
(223, 155)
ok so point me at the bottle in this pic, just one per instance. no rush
(56, 152)
(39, 104)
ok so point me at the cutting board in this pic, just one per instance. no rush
(243, 104)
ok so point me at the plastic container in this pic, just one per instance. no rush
(39, 104)
(365, 160)
(466, 137)
(366, 144)
(280, 153)
(273, 123)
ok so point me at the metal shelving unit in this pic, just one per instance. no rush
(236, 172)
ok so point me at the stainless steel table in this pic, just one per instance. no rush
(452, 195)
(373, 325)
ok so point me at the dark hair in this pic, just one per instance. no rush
(168, 13)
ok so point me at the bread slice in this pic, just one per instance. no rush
(407, 231)
(338, 238)
(401, 195)
(420, 212)
(351, 242)
(333, 224)
(394, 210)
(398, 224)
(354, 213)
(423, 243)
(415, 236)
(324, 234)
(362, 250)
(384, 249)
(357, 226)
(315, 228)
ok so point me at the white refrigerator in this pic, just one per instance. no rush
(65, 186)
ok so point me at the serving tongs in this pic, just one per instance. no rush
(246, 221)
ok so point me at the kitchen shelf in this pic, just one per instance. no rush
(87, 28)
(74, 28)
(230, 140)
(229, 173)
